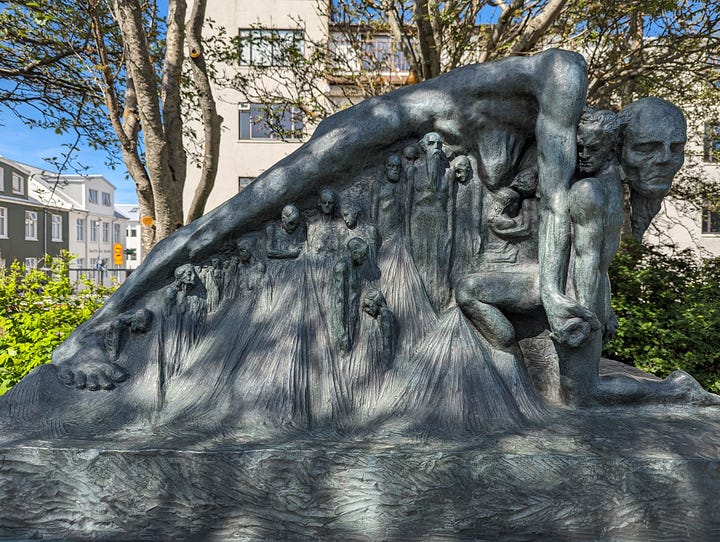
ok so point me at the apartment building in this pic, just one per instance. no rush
(92, 229)
(134, 253)
(29, 227)
(248, 147)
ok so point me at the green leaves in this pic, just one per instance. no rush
(37, 312)
(668, 310)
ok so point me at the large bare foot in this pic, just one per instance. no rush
(84, 364)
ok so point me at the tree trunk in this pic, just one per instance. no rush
(212, 122)
(166, 188)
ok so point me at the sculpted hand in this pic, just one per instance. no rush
(610, 328)
(570, 323)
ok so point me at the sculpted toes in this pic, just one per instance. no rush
(66, 376)
(80, 380)
(92, 383)
(117, 373)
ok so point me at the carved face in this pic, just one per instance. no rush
(463, 170)
(244, 250)
(185, 274)
(594, 149)
(290, 218)
(326, 202)
(653, 151)
(432, 144)
(393, 168)
(216, 263)
(358, 250)
(371, 305)
(350, 216)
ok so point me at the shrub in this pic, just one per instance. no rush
(38, 310)
(668, 309)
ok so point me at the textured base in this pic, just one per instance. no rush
(627, 474)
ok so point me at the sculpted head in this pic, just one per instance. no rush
(411, 153)
(327, 201)
(393, 168)
(462, 169)
(432, 143)
(597, 135)
(373, 302)
(245, 248)
(350, 214)
(653, 145)
(358, 250)
(290, 218)
(185, 275)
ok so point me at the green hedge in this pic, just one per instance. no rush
(668, 308)
(38, 310)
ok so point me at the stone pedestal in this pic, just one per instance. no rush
(590, 474)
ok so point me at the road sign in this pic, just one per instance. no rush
(118, 251)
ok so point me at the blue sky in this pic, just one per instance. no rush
(33, 146)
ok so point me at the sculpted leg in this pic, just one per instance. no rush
(483, 296)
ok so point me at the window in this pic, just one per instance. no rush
(106, 232)
(710, 221)
(107, 199)
(131, 231)
(18, 184)
(377, 52)
(30, 263)
(80, 263)
(92, 195)
(80, 225)
(116, 233)
(244, 181)
(94, 230)
(712, 143)
(2, 179)
(31, 221)
(280, 121)
(263, 47)
(56, 232)
(3, 222)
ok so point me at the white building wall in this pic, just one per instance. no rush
(250, 158)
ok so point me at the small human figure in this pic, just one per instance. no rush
(249, 273)
(212, 278)
(181, 296)
(324, 233)
(139, 321)
(429, 232)
(287, 240)
(357, 227)
(374, 305)
(345, 291)
(411, 155)
(386, 209)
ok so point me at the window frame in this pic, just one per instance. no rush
(93, 195)
(80, 229)
(106, 199)
(253, 126)
(31, 225)
(56, 221)
(20, 187)
(255, 49)
(710, 221)
(711, 143)
(4, 233)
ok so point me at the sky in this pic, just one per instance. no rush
(33, 146)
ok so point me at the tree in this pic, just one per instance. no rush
(637, 47)
(38, 311)
(115, 74)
